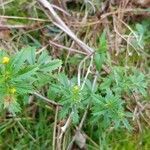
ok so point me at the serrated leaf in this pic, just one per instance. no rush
(99, 59)
(44, 57)
(26, 88)
(31, 54)
(63, 80)
(18, 60)
(140, 28)
(26, 73)
(103, 43)
(52, 65)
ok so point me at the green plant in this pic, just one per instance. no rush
(70, 95)
(96, 96)
(22, 74)
(105, 97)
(125, 80)
(109, 111)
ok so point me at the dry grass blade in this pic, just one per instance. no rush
(3, 27)
(59, 23)
(5, 3)
(46, 99)
(24, 18)
(66, 48)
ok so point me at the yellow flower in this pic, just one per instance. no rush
(5, 60)
(76, 89)
(12, 90)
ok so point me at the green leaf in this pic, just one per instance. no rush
(140, 28)
(75, 116)
(100, 55)
(103, 43)
(26, 73)
(126, 124)
(44, 57)
(31, 54)
(99, 59)
(63, 80)
(18, 60)
(42, 79)
(25, 88)
(52, 65)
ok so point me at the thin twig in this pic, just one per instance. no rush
(5, 3)
(67, 48)
(87, 73)
(42, 49)
(46, 99)
(79, 69)
(117, 32)
(60, 9)
(59, 23)
(25, 131)
(64, 128)
(24, 18)
(124, 11)
(2, 27)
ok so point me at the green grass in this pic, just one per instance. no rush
(33, 127)
(26, 131)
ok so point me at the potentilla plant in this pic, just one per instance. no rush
(70, 95)
(107, 105)
(21, 74)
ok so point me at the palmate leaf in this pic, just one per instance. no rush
(42, 79)
(106, 83)
(99, 59)
(103, 43)
(31, 54)
(50, 66)
(63, 80)
(64, 111)
(75, 116)
(46, 64)
(25, 88)
(100, 55)
(25, 73)
(18, 60)
(43, 58)
(27, 53)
